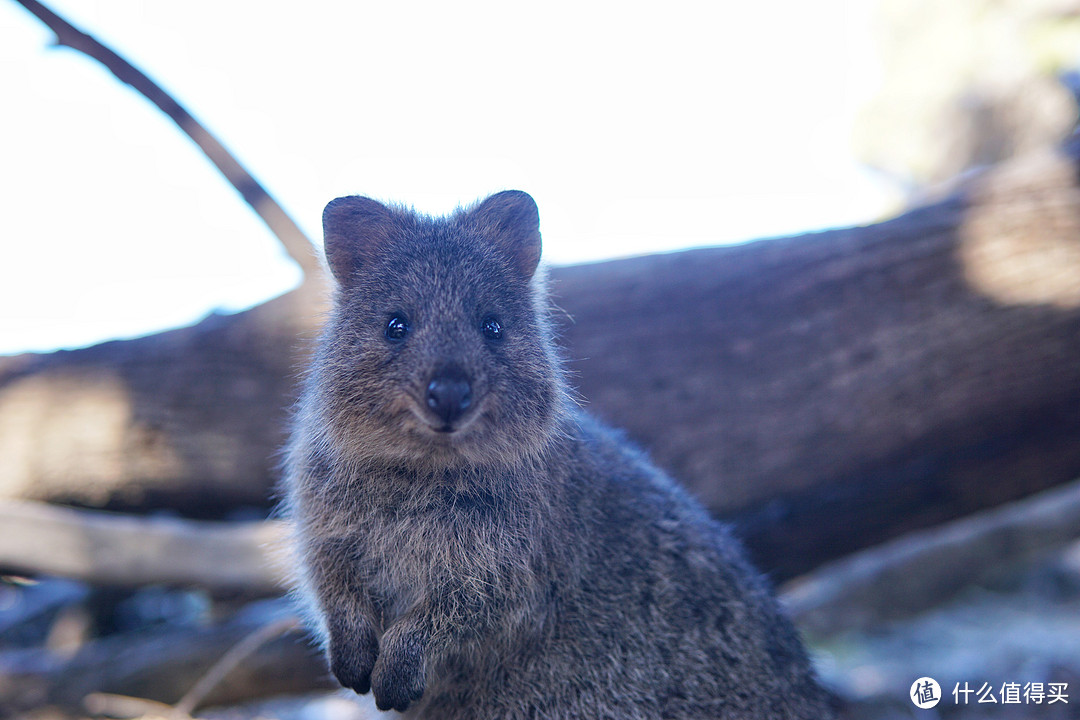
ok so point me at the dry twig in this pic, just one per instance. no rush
(123, 706)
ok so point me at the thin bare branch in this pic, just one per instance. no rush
(125, 706)
(236, 655)
(296, 243)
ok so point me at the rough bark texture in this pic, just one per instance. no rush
(190, 419)
(830, 391)
(826, 391)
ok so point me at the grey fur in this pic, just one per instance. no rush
(508, 557)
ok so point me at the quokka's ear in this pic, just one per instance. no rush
(355, 229)
(511, 220)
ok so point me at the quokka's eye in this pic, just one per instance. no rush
(491, 328)
(397, 328)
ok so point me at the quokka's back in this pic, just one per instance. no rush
(471, 544)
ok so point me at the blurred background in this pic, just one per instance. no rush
(636, 130)
(889, 414)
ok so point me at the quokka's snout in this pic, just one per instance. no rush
(448, 396)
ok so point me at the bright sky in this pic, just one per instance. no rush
(636, 128)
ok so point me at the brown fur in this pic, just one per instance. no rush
(473, 546)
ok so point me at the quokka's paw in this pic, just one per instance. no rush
(352, 657)
(398, 678)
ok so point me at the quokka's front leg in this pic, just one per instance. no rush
(411, 646)
(352, 649)
(352, 643)
(399, 676)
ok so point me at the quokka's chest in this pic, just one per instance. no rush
(473, 556)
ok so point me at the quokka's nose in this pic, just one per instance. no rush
(449, 394)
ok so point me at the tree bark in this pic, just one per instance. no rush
(826, 391)
(190, 419)
(830, 391)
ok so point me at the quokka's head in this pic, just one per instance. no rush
(437, 352)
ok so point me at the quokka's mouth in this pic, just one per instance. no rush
(442, 429)
(455, 428)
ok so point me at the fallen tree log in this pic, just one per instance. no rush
(826, 391)
(190, 419)
(225, 559)
(898, 578)
(829, 391)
